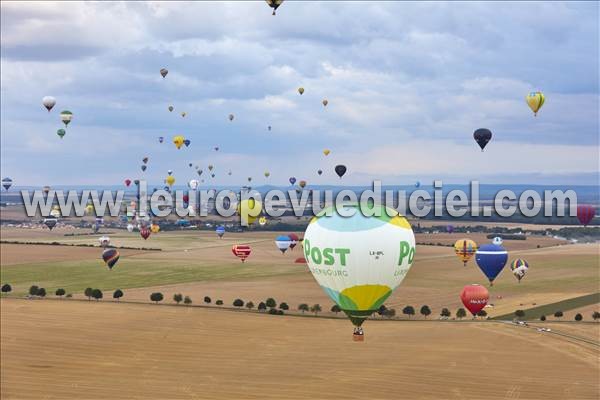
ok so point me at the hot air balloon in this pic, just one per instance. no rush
(187, 142)
(216, 148)
(46, 189)
(145, 160)
(144, 232)
(358, 260)
(169, 172)
(7, 183)
(497, 241)
(50, 222)
(340, 170)
(292, 180)
(302, 184)
(220, 231)
(267, 174)
(161, 139)
(130, 228)
(143, 167)
(193, 184)
(66, 116)
(474, 297)
(301, 90)
(417, 184)
(326, 152)
(274, 4)
(104, 241)
(249, 179)
(110, 257)
(449, 228)
(55, 212)
(262, 221)
(519, 268)
(154, 228)
(164, 72)
(127, 182)
(320, 172)
(178, 141)
(293, 240)
(269, 127)
(482, 136)
(585, 213)
(48, 102)
(183, 114)
(61, 132)
(249, 210)
(535, 101)
(283, 243)
(229, 173)
(185, 198)
(199, 172)
(465, 249)
(241, 251)
(212, 175)
(325, 102)
(170, 180)
(231, 117)
(491, 258)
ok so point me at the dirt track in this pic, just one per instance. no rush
(67, 349)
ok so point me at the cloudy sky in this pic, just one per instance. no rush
(407, 85)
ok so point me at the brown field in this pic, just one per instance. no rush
(69, 349)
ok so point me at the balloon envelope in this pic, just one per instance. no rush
(220, 230)
(482, 136)
(340, 170)
(465, 249)
(292, 180)
(164, 72)
(294, 240)
(7, 183)
(535, 101)
(585, 213)
(241, 251)
(519, 268)
(110, 257)
(283, 243)
(491, 259)
(48, 102)
(474, 297)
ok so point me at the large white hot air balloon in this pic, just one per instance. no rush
(48, 102)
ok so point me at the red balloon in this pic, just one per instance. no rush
(294, 239)
(474, 297)
(127, 182)
(241, 251)
(186, 198)
(145, 233)
(585, 213)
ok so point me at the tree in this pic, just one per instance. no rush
(187, 300)
(408, 310)
(425, 311)
(519, 314)
(207, 299)
(316, 308)
(249, 305)
(271, 303)
(88, 293)
(238, 303)
(284, 306)
(558, 314)
(578, 317)
(118, 294)
(6, 288)
(461, 313)
(596, 315)
(389, 312)
(273, 311)
(262, 306)
(219, 302)
(336, 309)
(177, 298)
(41, 292)
(542, 318)
(482, 314)
(33, 290)
(303, 307)
(97, 294)
(445, 313)
(156, 297)
(60, 292)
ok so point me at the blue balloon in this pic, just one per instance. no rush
(220, 230)
(292, 180)
(491, 258)
(417, 184)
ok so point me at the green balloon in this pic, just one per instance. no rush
(61, 133)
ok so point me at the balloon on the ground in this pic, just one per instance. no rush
(340, 170)
(491, 259)
(48, 102)
(475, 298)
(519, 268)
(283, 243)
(535, 101)
(241, 251)
(585, 213)
(465, 249)
(220, 231)
(66, 116)
(164, 72)
(358, 260)
(7, 183)
(274, 4)
(482, 136)
(110, 257)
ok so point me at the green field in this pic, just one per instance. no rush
(549, 309)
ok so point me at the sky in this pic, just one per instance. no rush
(407, 84)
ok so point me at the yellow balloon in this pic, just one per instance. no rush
(262, 221)
(535, 101)
(465, 249)
(170, 180)
(178, 141)
(249, 210)
(89, 209)
(326, 152)
(301, 90)
(154, 228)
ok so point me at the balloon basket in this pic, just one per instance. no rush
(358, 338)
